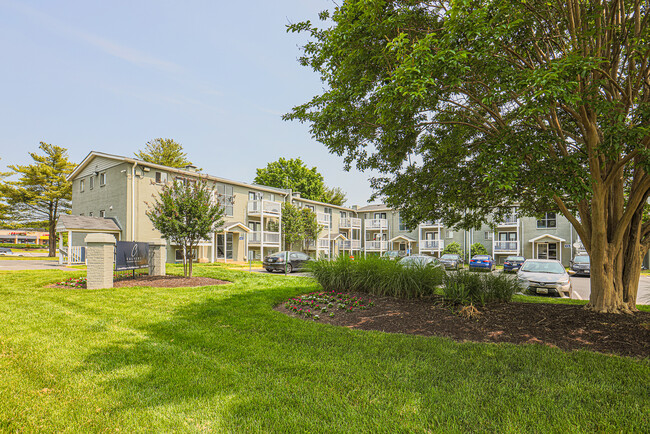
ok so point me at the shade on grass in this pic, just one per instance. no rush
(219, 358)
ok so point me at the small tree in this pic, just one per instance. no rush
(185, 213)
(310, 225)
(293, 225)
(42, 192)
(453, 248)
(478, 249)
(165, 152)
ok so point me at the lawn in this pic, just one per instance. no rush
(220, 359)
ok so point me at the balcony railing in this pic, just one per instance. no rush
(377, 245)
(323, 218)
(431, 224)
(510, 220)
(323, 243)
(505, 247)
(377, 224)
(350, 245)
(270, 238)
(432, 244)
(350, 223)
(266, 206)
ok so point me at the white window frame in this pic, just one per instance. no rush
(81, 186)
(102, 179)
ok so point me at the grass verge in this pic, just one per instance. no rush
(220, 358)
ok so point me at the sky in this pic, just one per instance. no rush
(215, 76)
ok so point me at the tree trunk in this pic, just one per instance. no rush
(52, 241)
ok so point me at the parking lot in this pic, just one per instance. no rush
(581, 288)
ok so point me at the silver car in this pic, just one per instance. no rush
(545, 276)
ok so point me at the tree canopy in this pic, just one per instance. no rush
(298, 225)
(42, 192)
(186, 213)
(165, 152)
(468, 107)
(293, 173)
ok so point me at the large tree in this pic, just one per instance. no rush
(42, 192)
(293, 173)
(186, 213)
(165, 152)
(469, 106)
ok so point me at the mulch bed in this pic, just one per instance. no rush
(568, 327)
(168, 281)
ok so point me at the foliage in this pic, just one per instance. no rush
(186, 213)
(294, 174)
(315, 304)
(221, 359)
(22, 246)
(487, 103)
(453, 248)
(478, 249)
(310, 225)
(376, 276)
(165, 152)
(42, 192)
(334, 196)
(467, 288)
(298, 225)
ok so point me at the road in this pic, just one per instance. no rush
(581, 289)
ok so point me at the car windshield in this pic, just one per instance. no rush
(543, 267)
(449, 256)
(481, 257)
(581, 259)
(515, 258)
(416, 260)
(278, 255)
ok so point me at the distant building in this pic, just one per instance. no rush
(24, 236)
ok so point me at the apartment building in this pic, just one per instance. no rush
(111, 193)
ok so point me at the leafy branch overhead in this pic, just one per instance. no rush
(466, 107)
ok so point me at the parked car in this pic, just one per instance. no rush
(5, 251)
(393, 255)
(451, 260)
(545, 276)
(277, 261)
(420, 261)
(482, 262)
(513, 263)
(581, 265)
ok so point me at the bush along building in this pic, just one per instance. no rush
(111, 194)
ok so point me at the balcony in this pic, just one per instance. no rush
(350, 245)
(505, 247)
(376, 245)
(430, 224)
(323, 218)
(376, 224)
(323, 244)
(431, 245)
(511, 220)
(259, 207)
(270, 238)
(350, 223)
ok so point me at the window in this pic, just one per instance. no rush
(102, 213)
(311, 207)
(272, 196)
(380, 215)
(402, 225)
(90, 213)
(102, 179)
(91, 182)
(226, 198)
(161, 177)
(548, 221)
(253, 195)
(179, 254)
(81, 186)
(488, 235)
(450, 234)
(254, 226)
(344, 214)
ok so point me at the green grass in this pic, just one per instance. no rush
(219, 358)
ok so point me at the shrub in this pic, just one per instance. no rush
(465, 288)
(376, 276)
(453, 248)
(23, 246)
(478, 249)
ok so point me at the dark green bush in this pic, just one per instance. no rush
(22, 246)
(376, 276)
(465, 288)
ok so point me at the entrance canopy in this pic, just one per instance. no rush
(547, 238)
(239, 225)
(78, 223)
(403, 238)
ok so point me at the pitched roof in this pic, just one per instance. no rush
(84, 223)
(375, 207)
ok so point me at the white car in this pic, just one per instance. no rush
(545, 276)
(5, 251)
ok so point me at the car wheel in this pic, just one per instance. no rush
(269, 270)
(289, 268)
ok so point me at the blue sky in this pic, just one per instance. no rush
(214, 76)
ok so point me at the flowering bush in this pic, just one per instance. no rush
(80, 282)
(321, 302)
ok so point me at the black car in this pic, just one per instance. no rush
(278, 262)
(513, 263)
(581, 265)
(451, 260)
